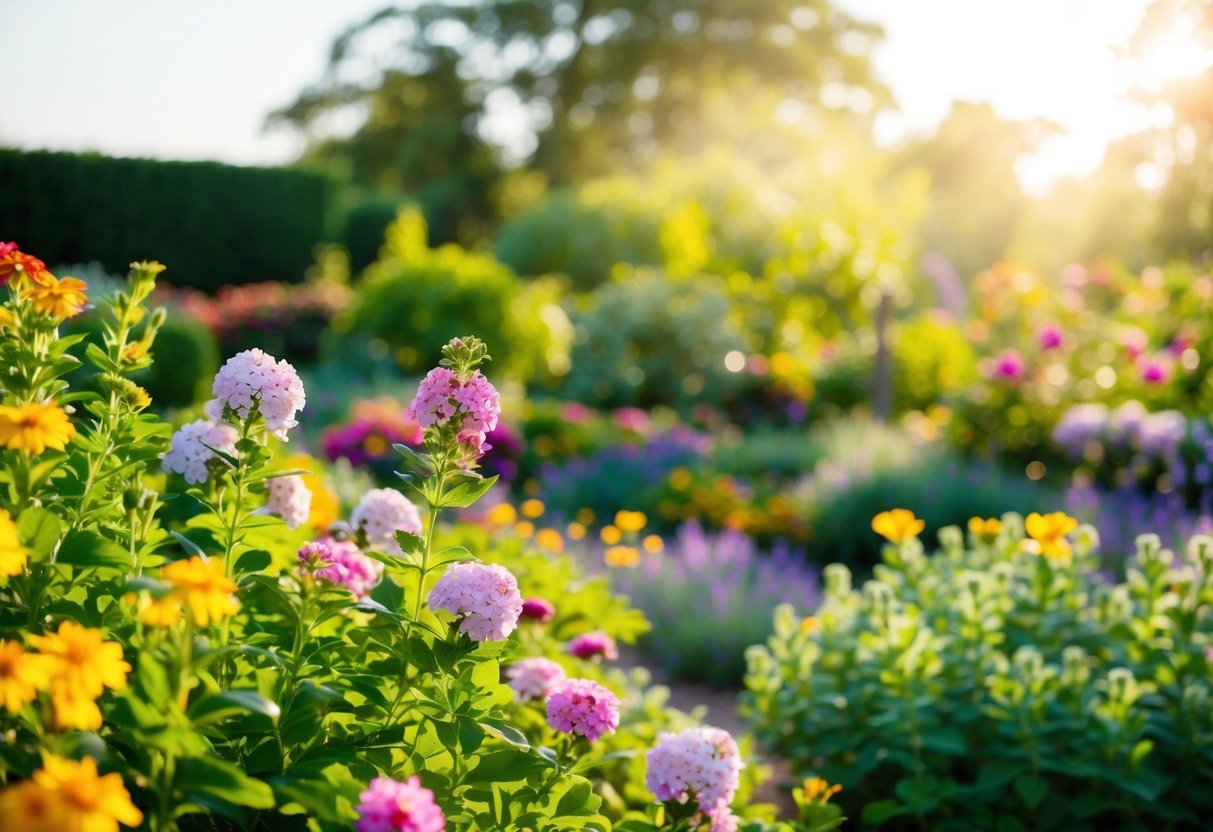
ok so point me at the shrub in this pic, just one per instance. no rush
(414, 299)
(986, 686)
(932, 361)
(216, 224)
(647, 340)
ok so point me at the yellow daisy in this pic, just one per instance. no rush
(34, 427)
(203, 588)
(897, 525)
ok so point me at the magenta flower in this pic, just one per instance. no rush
(1050, 337)
(533, 678)
(597, 643)
(631, 418)
(381, 513)
(189, 454)
(253, 380)
(315, 555)
(394, 806)
(1153, 370)
(290, 499)
(582, 707)
(485, 596)
(701, 763)
(1008, 366)
(538, 609)
(347, 566)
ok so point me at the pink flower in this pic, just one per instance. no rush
(584, 707)
(188, 453)
(1153, 370)
(394, 806)
(381, 513)
(290, 499)
(592, 644)
(315, 555)
(347, 566)
(1008, 366)
(702, 763)
(485, 595)
(533, 678)
(538, 609)
(1050, 337)
(631, 418)
(722, 818)
(254, 381)
(442, 396)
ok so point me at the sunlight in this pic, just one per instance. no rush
(1174, 56)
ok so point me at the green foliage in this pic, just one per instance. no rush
(932, 360)
(986, 687)
(414, 299)
(648, 340)
(214, 222)
(189, 358)
(363, 229)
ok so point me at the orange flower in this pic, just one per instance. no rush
(22, 675)
(817, 790)
(550, 539)
(625, 556)
(610, 535)
(81, 660)
(12, 554)
(203, 588)
(630, 521)
(89, 802)
(1049, 531)
(532, 508)
(653, 543)
(14, 264)
(985, 529)
(34, 427)
(897, 525)
(57, 298)
(502, 514)
(575, 531)
(31, 808)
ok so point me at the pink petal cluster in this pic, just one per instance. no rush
(188, 453)
(255, 380)
(597, 643)
(394, 806)
(703, 763)
(533, 678)
(485, 595)
(722, 819)
(582, 706)
(381, 513)
(473, 402)
(538, 609)
(347, 566)
(290, 499)
(1009, 366)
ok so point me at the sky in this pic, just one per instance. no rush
(195, 79)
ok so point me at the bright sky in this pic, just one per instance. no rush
(194, 79)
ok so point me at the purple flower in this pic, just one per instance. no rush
(583, 707)
(597, 643)
(394, 806)
(347, 566)
(538, 609)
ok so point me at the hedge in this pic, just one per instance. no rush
(212, 224)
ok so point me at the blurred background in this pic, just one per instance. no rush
(753, 269)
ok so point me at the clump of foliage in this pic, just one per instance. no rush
(1001, 682)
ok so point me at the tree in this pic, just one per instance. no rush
(582, 83)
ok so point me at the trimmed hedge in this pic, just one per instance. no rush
(212, 224)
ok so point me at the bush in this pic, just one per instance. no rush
(648, 340)
(415, 299)
(216, 224)
(932, 360)
(363, 229)
(986, 687)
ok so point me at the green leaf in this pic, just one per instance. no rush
(1031, 789)
(280, 472)
(409, 542)
(228, 703)
(255, 560)
(505, 731)
(39, 530)
(578, 801)
(84, 548)
(388, 593)
(191, 548)
(882, 811)
(213, 776)
(507, 765)
(421, 460)
(467, 493)
(945, 740)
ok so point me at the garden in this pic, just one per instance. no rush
(685, 472)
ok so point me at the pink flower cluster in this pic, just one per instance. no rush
(188, 453)
(399, 806)
(533, 678)
(597, 643)
(341, 563)
(473, 402)
(703, 763)
(584, 707)
(538, 609)
(290, 499)
(485, 595)
(381, 513)
(253, 380)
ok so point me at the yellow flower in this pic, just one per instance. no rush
(6, 318)
(524, 528)
(585, 516)
(817, 790)
(89, 802)
(1049, 531)
(630, 521)
(653, 543)
(325, 505)
(502, 514)
(57, 298)
(34, 427)
(621, 556)
(575, 531)
(203, 588)
(161, 613)
(74, 711)
(22, 675)
(610, 535)
(897, 525)
(31, 808)
(532, 508)
(550, 539)
(81, 661)
(680, 479)
(12, 554)
(809, 624)
(985, 529)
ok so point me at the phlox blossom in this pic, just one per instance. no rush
(485, 596)
(254, 380)
(381, 513)
(582, 707)
(398, 806)
(701, 763)
(533, 678)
